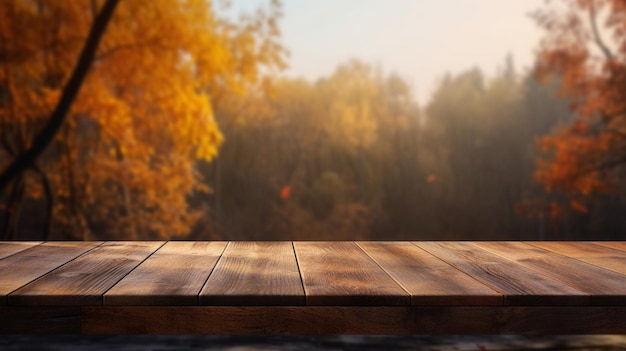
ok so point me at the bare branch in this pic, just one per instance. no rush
(596, 33)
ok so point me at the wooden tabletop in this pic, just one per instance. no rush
(178, 273)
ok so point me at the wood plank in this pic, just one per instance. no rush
(428, 279)
(255, 273)
(617, 245)
(606, 287)
(311, 320)
(8, 248)
(84, 280)
(340, 273)
(520, 285)
(23, 267)
(173, 275)
(596, 255)
(40, 320)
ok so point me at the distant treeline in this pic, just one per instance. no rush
(353, 156)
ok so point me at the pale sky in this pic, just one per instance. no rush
(419, 39)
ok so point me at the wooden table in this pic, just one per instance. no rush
(313, 287)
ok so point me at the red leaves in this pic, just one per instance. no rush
(285, 192)
(579, 127)
(579, 159)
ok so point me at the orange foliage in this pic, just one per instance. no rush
(591, 61)
(556, 212)
(578, 206)
(285, 192)
(552, 212)
(539, 209)
(124, 164)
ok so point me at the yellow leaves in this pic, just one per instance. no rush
(203, 188)
(352, 92)
(207, 146)
(144, 116)
(358, 125)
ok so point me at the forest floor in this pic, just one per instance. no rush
(312, 343)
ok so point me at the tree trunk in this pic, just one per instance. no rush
(12, 212)
(52, 127)
(47, 188)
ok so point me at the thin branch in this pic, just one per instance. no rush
(596, 33)
(46, 135)
(600, 166)
(609, 164)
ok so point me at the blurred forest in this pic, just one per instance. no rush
(185, 129)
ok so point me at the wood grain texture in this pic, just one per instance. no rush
(428, 279)
(617, 245)
(25, 266)
(597, 255)
(255, 273)
(311, 320)
(351, 288)
(605, 286)
(519, 285)
(84, 280)
(340, 273)
(8, 248)
(173, 275)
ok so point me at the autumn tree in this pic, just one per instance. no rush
(124, 163)
(585, 46)
(26, 159)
